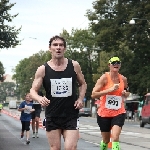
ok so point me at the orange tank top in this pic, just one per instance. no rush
(112, 104)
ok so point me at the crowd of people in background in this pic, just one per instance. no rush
(36, 116)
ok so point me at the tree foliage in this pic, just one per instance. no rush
(6, 89)
(8, 34)
(1, 68)
(26, 69)
(109, 20)
(1, 72)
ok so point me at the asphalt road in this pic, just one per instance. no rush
(10, 128)
(132, 137)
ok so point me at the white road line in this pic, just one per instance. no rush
(95, 131)
(92, 143)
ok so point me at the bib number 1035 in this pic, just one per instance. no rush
(61, 87)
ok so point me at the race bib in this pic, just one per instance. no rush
(61, 87)
(27, 111)
(35, 102)
(113, 102)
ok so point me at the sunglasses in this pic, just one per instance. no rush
(115, 63)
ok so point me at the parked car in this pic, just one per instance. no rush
(85, 112)
(145, 113)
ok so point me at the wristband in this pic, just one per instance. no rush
(127, 89)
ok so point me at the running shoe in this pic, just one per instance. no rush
(33, 136)
(22, 135)
(37, 136)
(27, 142)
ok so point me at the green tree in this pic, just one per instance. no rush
(8, 34)
(1, 72)
(109, 20)
(25, 70)
(7, 89)
(1, 69)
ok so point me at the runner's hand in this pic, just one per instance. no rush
(32, 110)
(44, 101)
(114, 87)
(78, 104)
(124, 92)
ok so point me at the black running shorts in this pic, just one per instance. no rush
(37, 111)
(63, 123)
(25, 125)
(106, 123)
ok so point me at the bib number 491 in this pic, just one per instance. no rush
(113, 102)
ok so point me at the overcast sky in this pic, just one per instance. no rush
(40, 20)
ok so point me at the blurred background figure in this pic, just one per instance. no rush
(26, 108)
(36, 116)
(1, 107)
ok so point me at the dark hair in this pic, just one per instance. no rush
(57, 37)
(40, 93)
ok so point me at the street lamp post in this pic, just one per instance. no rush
(132, 21)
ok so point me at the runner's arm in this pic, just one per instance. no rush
(21, 107)
(97, 92)
(37, 82)
(125, 92)
(81, 81)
